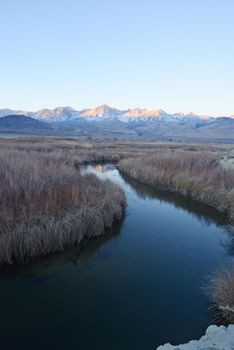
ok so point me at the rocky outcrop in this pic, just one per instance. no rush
(216, 338)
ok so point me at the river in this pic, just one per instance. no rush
(139, 286)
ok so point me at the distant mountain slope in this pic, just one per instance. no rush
(16, 122)
(5, 112)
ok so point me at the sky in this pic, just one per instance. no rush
(177, 55)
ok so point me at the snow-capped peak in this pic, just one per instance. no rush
(142, 112)
(103, 111)
(58, 114)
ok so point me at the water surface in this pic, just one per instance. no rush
(137, 287)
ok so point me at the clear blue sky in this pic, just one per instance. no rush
(177, 55)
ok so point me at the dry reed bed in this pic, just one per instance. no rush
(197, 174)
(46, 206)
(221, 291)
(96, 151)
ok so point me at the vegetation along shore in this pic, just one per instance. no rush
(206, 175)
(46, 205)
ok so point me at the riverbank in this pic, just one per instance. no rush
(204, 176)
(200, 175)
(47, 206)
(216, 338)
(221, 293)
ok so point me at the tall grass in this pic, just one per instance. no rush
(96, 151)
(221, 292)
(197, 174)
(46, 205)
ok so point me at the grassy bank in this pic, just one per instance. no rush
(47, 206)
(200, 175)
(221, 292)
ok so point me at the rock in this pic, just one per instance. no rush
(216, 338)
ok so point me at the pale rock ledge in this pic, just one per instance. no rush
(216, 338)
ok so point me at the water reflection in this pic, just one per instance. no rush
(202, 211)
(229, 244)
(75, 256)
(206, 214)
(98, 169)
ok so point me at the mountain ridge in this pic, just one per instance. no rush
(63, 114)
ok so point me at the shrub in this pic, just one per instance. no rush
(221, 292)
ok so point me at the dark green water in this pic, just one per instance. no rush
(135, 288)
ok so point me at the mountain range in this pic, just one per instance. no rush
(144, 123)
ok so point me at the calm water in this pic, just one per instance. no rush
(137, 287)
